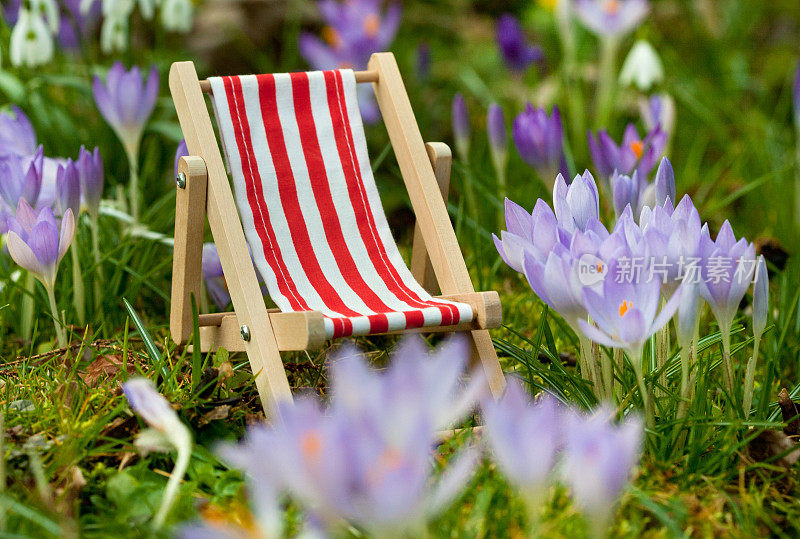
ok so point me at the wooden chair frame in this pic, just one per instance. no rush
(204, 191)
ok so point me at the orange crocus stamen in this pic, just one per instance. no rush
(311, 445)
(331, 36)
(611, 6)
(624, 306)
(372, 23)
(637, 147)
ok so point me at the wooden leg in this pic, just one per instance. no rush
(223, 217)
(483, 351)
(190, 219)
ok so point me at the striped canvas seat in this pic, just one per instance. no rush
(309, 206)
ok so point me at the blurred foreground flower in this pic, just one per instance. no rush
(539, 139)
(367, 462)
(517, 52)
(642, 67)
(611, 18)
(36, 244)
(353, 31)
(126, 101)
(598, 459)
(166, 433)
(525, 439)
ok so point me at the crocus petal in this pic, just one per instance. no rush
(67, 233)
(760, 297)
(23, 255)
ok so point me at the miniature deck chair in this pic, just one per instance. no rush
(311, 214)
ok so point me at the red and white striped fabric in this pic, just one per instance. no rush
(309, 206)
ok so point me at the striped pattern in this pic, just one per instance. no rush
(309, 206)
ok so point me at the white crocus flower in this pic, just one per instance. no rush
(642, 67)
(176, 15)
(114, 34)
(148, 7)
(31, 40)
(49, 10)
(166, 432)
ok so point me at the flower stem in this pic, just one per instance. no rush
(636, 360)
(98, 268)
(26, 314)
(78, 295)
(749, 378)
(502, 191)
(727, 368)
(133, 158)
(606, 81)
(60, 335)
(171, 490)
(587, 369)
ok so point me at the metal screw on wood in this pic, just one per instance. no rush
(181, 180)
(245, 333)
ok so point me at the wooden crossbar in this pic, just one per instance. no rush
(361, 76)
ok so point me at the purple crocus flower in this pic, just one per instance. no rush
(575, 205)
(21, 178)
(68, 188)
(498, 139)
(496, 129)
(517, 52)
(628, 191)
(727, 270)
(423, 61)
(35, 242)
(625, 308)
(760, 297)
(354, 30)
(611, 18)
(539, 141)
(598, 459)
(126, 101)
(664, 182)
(524, 439)
(90, 172)
(633, 154)
(213, 276)
(796, 97)
(16, 134)
(658, 110)
(537, 233)
(181, 151)
(461, 129)
(673, 239)
(165, 432)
